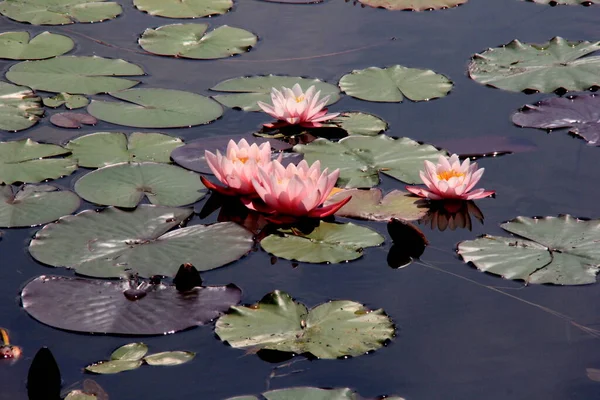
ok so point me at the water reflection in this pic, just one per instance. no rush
(451, 215)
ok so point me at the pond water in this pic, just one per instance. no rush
(457, 337)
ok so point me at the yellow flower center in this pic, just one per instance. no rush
(446, 175)
(300, 99)
(242, 159)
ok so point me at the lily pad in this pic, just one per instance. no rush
(394, 83)
(59, 12)
(126, 184)
(310, 393)
(413, 5)
(245, 92)
(192, 41)
(106, 148)
(156, 108)
(359, 123)
(328, 242)
(72, 120)
(558, 250)
(27, 161)
(184, 9)
(99, 306)
(112, 241)
(130, 352)
(75, 74)
(581, 114)
(17, 46)
(564, 2)
(330, 330)
(113, 366)
(71, 101)
(361, 158)
(169, 358)
(557, 64)
(32, 205)
(371, 205)
(20, 108)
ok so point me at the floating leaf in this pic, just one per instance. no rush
(72, 120)
(169, 358)
(413, 5)
(246, 91)
(558, 250)
(557, 64)
(156, 108)
(99, 306)
(125, 185)
(332, 243)
(190, 41)
(17, 46)
(330, 330)
(130, 352)
(361, 158)
(75, 74)
(59, 12)
(71, 101)
(184, 9)
(359, 123)
(106, 148)
(80, 395)
(20, 108)
(113, 366)
(565, 2)
(310, 393)
(26, 161)
(34, 205)
(107, 243)
(394, 83)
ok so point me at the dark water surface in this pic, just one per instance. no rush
(456, 339)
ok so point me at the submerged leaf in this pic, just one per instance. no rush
(59, 12)
(184, 9)
(18, 46)
(20, 108)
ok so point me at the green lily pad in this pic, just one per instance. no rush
(361, 158)
(106, 148)
(330, 330)
(310, 393)
(59, 12)
(192, 41)
(75, 74)
(26, 161)
(17, 46)
(126, 184)
(558, 250)
(156, 108)
(183, 9)
(130, 352)
(169, 358)
(71, 101)
(107, 243)
(331, 243)
(245, 92)
(394, 83)
(20, 108)
(32, 205)
(359, 123)
(565, 2)
(113, 366)
(413, 5)
(80, 395)
(557, 64)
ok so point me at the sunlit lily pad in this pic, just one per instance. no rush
(100, 306)
(17, 46)
(244, 92)
(20, 108)
(59, 12)
(329, 242)
(184, 9)
(393, 83)
(309, 393)
(27, 161)
(372, 205)
(109, 242)
(130, 352)
(558, 250)
(413, 5)
(359, 123)
(169, 358)
(156, 108)
(105, 148)
(126, 184)
(34, 205)
(72, 120)
(192, 41)
(361, 158)
(557, 64)
(330, 330)
(71, 101)
(75, 74)
(113, 366)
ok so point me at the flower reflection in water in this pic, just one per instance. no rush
(453, 214)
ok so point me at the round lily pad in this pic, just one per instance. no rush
(372, 205)
(32, 205)
(184, 9)
(558, 250)
(75, 74)
(126, 184)
(413, 5)
(310, 393)
(330, 330)
(169, 358)
(565, 2)
(112, 241)
(394, 83)
(72, 120)
(59, 12)
(192, 41)
(245, 92)
(361, 158)
(156, 108)
(329, 242)
(359, 123)
(20, 108)
(17, 46)
(106, 148)
(71, 101)
(557, 64)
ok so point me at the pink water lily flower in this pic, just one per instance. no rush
(238, 167)
(294, 191)
(295, 107)
(450, 179)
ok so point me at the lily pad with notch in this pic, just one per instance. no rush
(60, 12)
(71, 101)
(20, 108)
(359, 123)
(72, 120)
(413, 5)
(184, 9)
(19, 46)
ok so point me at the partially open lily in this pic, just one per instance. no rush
(450, 179)
(295, 107)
